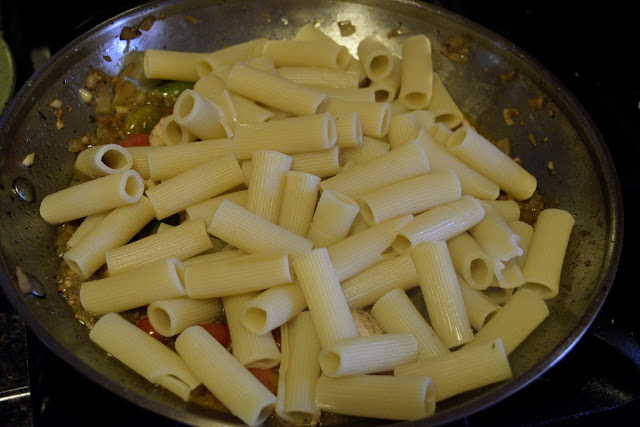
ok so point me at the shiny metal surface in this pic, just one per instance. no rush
(584, 182)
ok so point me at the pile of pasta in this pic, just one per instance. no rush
(313, 185)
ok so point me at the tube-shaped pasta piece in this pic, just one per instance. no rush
(321, 288)
(237, 275)
(169, 161)
(253, 351)
(207, 208)
(236, 387)
(320, 77)
(249, 112)
(275, 91)
(525, 232)
(362, 250)
(140, 159)
(289, 136)
(251, 233)
(332, 219)
(374, 116)
(266, 185)
(440, 133)
(183, 241)
(85, 227)
(137, 287)
(442, 105)
(368, 355)
(199, 115)
(102, 160)
(547, 250)
(403, 128)
(366, 94)
(307, 53)
(195, 185)
(479, 306)
(299, 371)
(230, 55)
(411, 196)
(497, 239)
(348, 129)
(369, 149)
(171, 65)
(169, 317)
(359, 224)
(472, 183)
(425, 118)
(174, 133)
(440, 223)
(511, 275)
(93, 196)
(377, 396)
(273, 307)
(417, 72)
(144, 354)
(376, 57)
(386, 90)
(396, 314)
(398, 107)
(471, 261)
(396, 165)
(509, 209)
(480, 154)
(299, 199)
(321, 163)
(462, 370)
(209, 85)
(371, 284)
(441, 292)
(514, 322)
(115, 230)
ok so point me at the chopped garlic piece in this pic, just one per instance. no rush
(28, 159)
(85, 95)
(57, 104)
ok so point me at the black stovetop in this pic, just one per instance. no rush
(592, 50)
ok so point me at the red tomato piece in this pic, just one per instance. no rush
(136, 140)
(219, 331)
(268, 377)
(145, 325)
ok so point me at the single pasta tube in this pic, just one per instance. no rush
(195, 185)
(359, 224)
(251, 233)
(144, 354)
(480, 154)
(236, 387)
(441, 292)
(299, 371)
(398, 107)
(141, 286)
(231, 55)
(368, 355)
(209, 85)
(85, 227)
(426, 118)
(275, 91)
(266, 184)
(169, 317)
(237, 275)
(445, 109)
(411, 196)
(249, 112)
(439, 223)
(371, 284)
(199, 115)
(366, 94)
(547, 251)
(321, 163)
(289, 136)
(462, 370)
(253, 351)
(298, 201)
(403, 128)
(479, 307)
(321, 288)
(396, 165)
(102, 160)
(377, 396)
(183, 241)
(206, 209)
(320, 77)
(417, 73)
(369, 149)
(170, 65)
(93, 196)
(307, 53)
(396, 314)
(514, 321)
(332, 219)
(440, 133)
(273, 307)
(376, 57)
(471, 261)
(173, 133)
(140, 159)
(375, 117)
(348, 129)
(386, 90)
(509, 209)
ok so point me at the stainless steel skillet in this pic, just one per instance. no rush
(584, 182)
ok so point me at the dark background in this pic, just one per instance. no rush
(592, 47)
